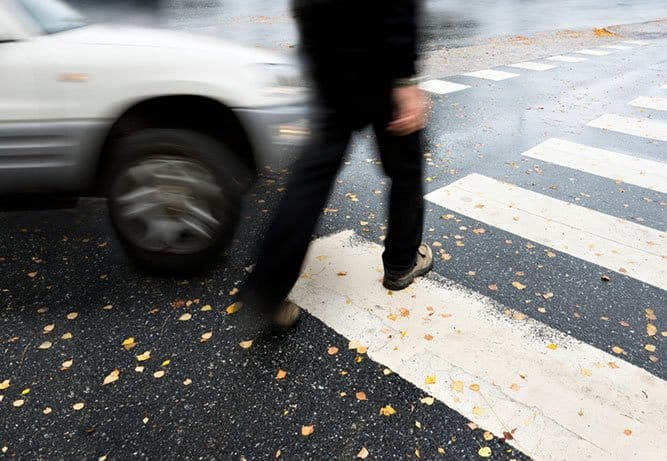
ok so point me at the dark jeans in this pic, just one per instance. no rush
(282, 253)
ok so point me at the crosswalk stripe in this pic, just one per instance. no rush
(490, 74)
(567, 59)
(649, 102)
(538, 66)
(594, 52)
(636, 42)
(441, 86)
(617, 47)
(616, 244)
(663, 87)
(568, 401)
(630, 170)
(644, 128)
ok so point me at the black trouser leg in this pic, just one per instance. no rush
(284, 248)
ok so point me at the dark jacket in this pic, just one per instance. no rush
(355, 49)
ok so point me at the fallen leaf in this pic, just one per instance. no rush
(45, 345)
(484, 452)
(612, 365)
(493, 287)
(128, 343)
(246, 344)
(519, 316)
(457, 386)
(281, 374)
(508, 435)
(341, 274)
(72, 315)
(25, 391)
(650, 315)
(165, 363)
(187, 382)
(307, 430)
(112, 377)
(332, 350)
(445, 256)
(78, 406)
(651, 329)
(617, 350)
(479, 231)
(47, 410)
(158, 374)
(233, 308)
(650, 347)
(471, 273)
(363, 453)
(472, 426)
(139, 369)
(428, 337)
(548, 295)
(108, 307)
(627, 432)
(404, 312)
(552, 346)
(360, 395)
(387, 372)
(515, 387)
(49, 328)
(18, 403)
(551, 254)
(387, 410)
(145, 356)
(474, 387)
(206, 308)
(66, 365)
(185, 317)
(518, 285)
(605, 278)
(427, 400)
(233, 292)
(653, 358)
(67, 336)
(362, 350)
(586, 372)
(5, 384)
(430, 380)
(206, 336)
(487, 436)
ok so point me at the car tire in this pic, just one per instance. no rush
(174, 198)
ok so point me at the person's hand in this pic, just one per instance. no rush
(410, 110)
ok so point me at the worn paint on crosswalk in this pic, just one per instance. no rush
(538, 66)
(442, 86)
(594, 52)
(642, 127)
(650, 102)
(567, 59)
(490, 74)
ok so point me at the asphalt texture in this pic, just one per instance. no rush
(70, 294)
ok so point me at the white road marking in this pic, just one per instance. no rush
(594, 52)
(567, 59)
(490, 74)
(616, 244)
(441, 86)
(617, 47)
(633, 126)
(570, 403)
(636, 42)
(538, 66)
(630, 170)
(649, 102)
(663, 87)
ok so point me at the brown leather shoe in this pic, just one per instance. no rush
(423, 264)
(287, 317)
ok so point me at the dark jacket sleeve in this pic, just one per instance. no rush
(400, 32)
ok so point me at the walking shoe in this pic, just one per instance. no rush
(423, 264)
(288, 316)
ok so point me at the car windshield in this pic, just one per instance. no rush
(53, 16)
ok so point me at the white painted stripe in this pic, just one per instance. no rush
(663, 87)
(636, 42)
(617, 47)
(631, 170)
(650, 102)
(559, 412)
(567, 59)
(594, 52)
(441, 86)
(619, 245)
(490, 74)
(538, 66)
(632, 126)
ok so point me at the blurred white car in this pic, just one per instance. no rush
(167, 125)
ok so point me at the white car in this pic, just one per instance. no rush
(167, 125)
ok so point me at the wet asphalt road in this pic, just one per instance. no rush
(219, 401)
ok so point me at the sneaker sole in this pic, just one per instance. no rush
(403, 283)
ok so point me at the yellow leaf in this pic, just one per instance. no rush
(617, 350)
(479, 231)
(417, 454)
(487, 436)
(493, 287)
(206, 336)
(145, 356)
(246, 344)
(651, 329)
(518, 285)
(441, 450)
(427, 400)
(32, 275)
(49, 328)
(360, 395)
(392, 317)
(519, 316)
(47, 410)
(78, 406)
(387, 410)
(548, 295)
(474, 387)
(18, 403)
(5, 384)
(430, 380)
(627, 432)
(445, 256)
(72, 315)
(586, 372)
(128, 343)
(541, 310)
(552, 346)
(139, 369)
(67, 336)
(45, 345)
(354, 344)
(457, 386)
(158, 374)
(332, 350)
(206, 308)
(387, 372)
(428, 337)
(472, 426)
(363, 453)
(650, 347)
(484, 452)
(112, 377)
(650, 315)
(404, 312)
(281, 374)
(165, 363)
(187, 382)
(477, 411)
(25, 391)
(307, 430)
(233, 308)
(185, 317)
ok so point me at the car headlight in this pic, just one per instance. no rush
(279, 79)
